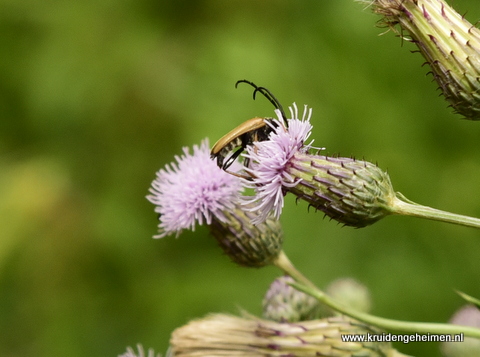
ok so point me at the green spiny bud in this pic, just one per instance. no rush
(354, 192)
(247, 244)
(449, 43)
(284, 303)
(223, 335)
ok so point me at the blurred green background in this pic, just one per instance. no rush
(96, 96)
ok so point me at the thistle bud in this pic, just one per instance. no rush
(283, 303)
(224, 335)
(354, 192)
(449, 43)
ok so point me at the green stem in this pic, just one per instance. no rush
(309, 288)
(403, 206)
(389, 324)
(282, 262)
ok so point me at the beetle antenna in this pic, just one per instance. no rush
(267, 94)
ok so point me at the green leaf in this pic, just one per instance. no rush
(469, 298)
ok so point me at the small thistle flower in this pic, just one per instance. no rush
(449, 43)
(356, 193)
(194, 190)
(141, 353)
(468, 315)
(223, 335)
(283, 303)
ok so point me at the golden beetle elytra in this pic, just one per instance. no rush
(255, 129)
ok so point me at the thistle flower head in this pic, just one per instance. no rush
(271, 158)
(449, 43)
(356, 193)
(192, 190)
(283, 303)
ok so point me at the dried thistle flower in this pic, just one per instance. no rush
(449, 43)
(223, 335)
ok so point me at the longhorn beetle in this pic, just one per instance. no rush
(255, 129)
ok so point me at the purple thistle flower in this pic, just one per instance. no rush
(356, 193)
(192, 191)
(270, 160)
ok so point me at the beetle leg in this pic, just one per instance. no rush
(232, 158)
(246, 177)
(246, 162)
(219, 159)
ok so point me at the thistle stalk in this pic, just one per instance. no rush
(401, 205)
(390, 324)
(306, 286)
